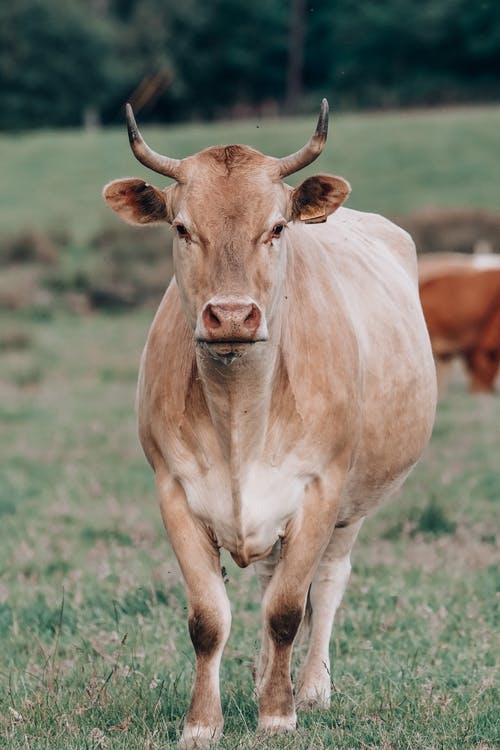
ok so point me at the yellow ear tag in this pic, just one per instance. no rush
(312, 215)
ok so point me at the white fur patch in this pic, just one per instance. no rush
(270, 497)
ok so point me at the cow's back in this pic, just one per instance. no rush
(433, 265)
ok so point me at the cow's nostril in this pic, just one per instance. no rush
(214, 320)
(210, 318)
(252, 320)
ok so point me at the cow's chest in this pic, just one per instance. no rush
(247, 510)
(244, 467)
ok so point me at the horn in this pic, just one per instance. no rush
(158, 163)
(313, 148)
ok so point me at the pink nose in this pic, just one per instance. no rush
(231, 320)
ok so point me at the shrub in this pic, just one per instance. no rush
(32, 246)
(453, 229)
(14, 338)
(130, 267)
(21, 288)
(433, 520)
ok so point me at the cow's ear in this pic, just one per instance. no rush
(318, 197)
(136, 202)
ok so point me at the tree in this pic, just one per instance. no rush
(51, 63)
(294, 88)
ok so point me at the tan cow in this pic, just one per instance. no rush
(286, 388)
(460, 297)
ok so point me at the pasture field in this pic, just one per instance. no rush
(93, 634)
(396, 162)
(94, 646)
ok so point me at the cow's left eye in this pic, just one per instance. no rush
(278, 229)
(182, 231)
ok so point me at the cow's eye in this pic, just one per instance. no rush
(278, 229)
(182, 231)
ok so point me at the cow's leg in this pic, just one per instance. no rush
(265, 570)
(284, 601)
(327, 590)
(209, 612)
(443, 369)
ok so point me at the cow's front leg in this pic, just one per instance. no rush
(284, 601)
(265, 570)
(209, 612)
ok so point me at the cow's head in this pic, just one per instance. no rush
(229, 211)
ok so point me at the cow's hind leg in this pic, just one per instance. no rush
(209, 613)
(443, 364)
(325, 595)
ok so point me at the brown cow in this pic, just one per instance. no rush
(460, 297)
(287, 386)
(431, 265)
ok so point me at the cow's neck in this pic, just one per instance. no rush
(238, 397)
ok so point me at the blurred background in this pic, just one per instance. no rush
(92, 612)
(74, 62)
(413, 89)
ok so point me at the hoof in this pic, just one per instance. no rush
(277, 724)
(313, 699)
(194, 736)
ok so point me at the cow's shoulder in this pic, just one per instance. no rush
(167, 371)
(374, 228)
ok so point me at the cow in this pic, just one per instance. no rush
(460, 296)
(431, 265)
(286, 388)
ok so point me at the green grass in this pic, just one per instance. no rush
(93, 635)
(396, 162)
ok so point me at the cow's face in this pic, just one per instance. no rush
(229, 221)
(230, 213)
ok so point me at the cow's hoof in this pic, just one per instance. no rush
(194, 736)
(277, 724)
(312, 699)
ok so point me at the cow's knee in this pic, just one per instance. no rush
(283, 625)
(207, 631)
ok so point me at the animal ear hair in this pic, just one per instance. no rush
(318, 197)
(137, 202)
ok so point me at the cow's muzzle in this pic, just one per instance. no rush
(228, 324)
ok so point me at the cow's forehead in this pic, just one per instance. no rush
(225, 182)
(230, 159)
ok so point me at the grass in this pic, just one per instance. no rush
(93, 635)
(396, 162)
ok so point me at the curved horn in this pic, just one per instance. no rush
(158, 163)
(313, 148)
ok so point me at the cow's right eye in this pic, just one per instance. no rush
(182, 231)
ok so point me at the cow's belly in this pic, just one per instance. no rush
(247, 515)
